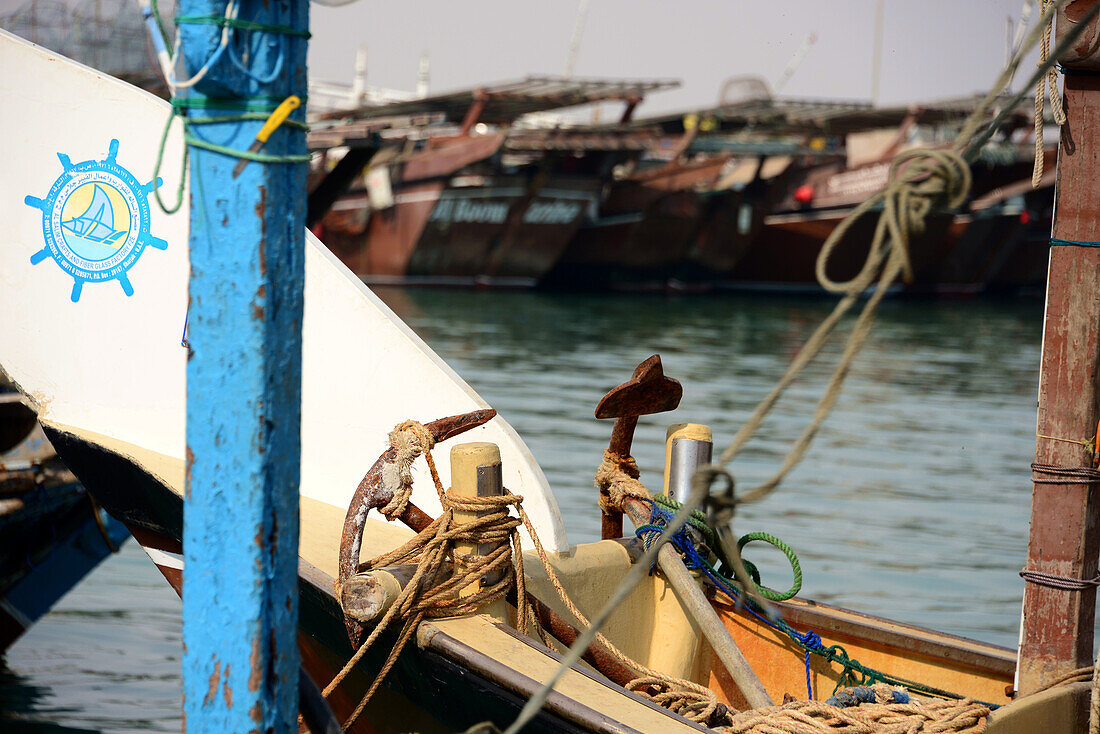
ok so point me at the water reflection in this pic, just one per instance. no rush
(105, 659)
(912, 503)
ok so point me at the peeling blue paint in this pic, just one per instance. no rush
(240, 603)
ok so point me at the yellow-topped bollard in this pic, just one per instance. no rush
(476, 472)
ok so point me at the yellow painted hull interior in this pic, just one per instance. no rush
(651, 627)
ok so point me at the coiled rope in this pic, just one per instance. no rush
(920, 182)
(879, 716)
(969, 143)
(695, 559)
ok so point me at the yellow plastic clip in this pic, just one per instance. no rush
(277, 118)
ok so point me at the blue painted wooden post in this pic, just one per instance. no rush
(240, 603)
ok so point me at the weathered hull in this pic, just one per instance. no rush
(1004, 250)
(786, 251)
(730, 224)
(473, 230)
(643, 233)
(463, 671)
(540, 230)
(632, 251)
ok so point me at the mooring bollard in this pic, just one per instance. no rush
(476, 472)
(688, 446)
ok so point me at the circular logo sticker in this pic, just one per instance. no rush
(95, 221)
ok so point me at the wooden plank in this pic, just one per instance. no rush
(1057, 630)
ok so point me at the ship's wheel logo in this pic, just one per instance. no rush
(95, 221)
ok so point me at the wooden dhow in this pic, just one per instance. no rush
(468, 200)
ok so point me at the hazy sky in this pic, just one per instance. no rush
(931, 49)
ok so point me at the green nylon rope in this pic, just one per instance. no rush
(262, 106)
(792, 558)
(160, 23)
(698, 521)
(246, 25)
(259, 103)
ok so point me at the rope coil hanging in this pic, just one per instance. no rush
(1050, 78)
(920, 182)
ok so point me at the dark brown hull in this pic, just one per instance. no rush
(541, 230)
(727, 229)
(786, 251)
(465, 229)
(637, 253)
(500, 232)
(644, 231)
(1004, 250)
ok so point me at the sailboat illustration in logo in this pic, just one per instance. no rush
(95, 221)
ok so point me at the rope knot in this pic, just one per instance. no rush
(617, 479)
(920, 182)
(811, 640)
(409, 440)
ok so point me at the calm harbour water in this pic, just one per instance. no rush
(912, 503)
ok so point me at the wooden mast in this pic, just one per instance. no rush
(1057, 633)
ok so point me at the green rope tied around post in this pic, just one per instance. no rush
(246, 25)
(697, 521)
(256, 109)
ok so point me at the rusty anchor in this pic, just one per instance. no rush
(417, 520)
(647, 392)
(370, 495)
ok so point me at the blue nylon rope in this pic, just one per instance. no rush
(1056, 242)
(810, 641)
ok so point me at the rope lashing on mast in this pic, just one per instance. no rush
(253, 108)
(1041, 93)
(617, 479)
(409, 439)
(1064, 474)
